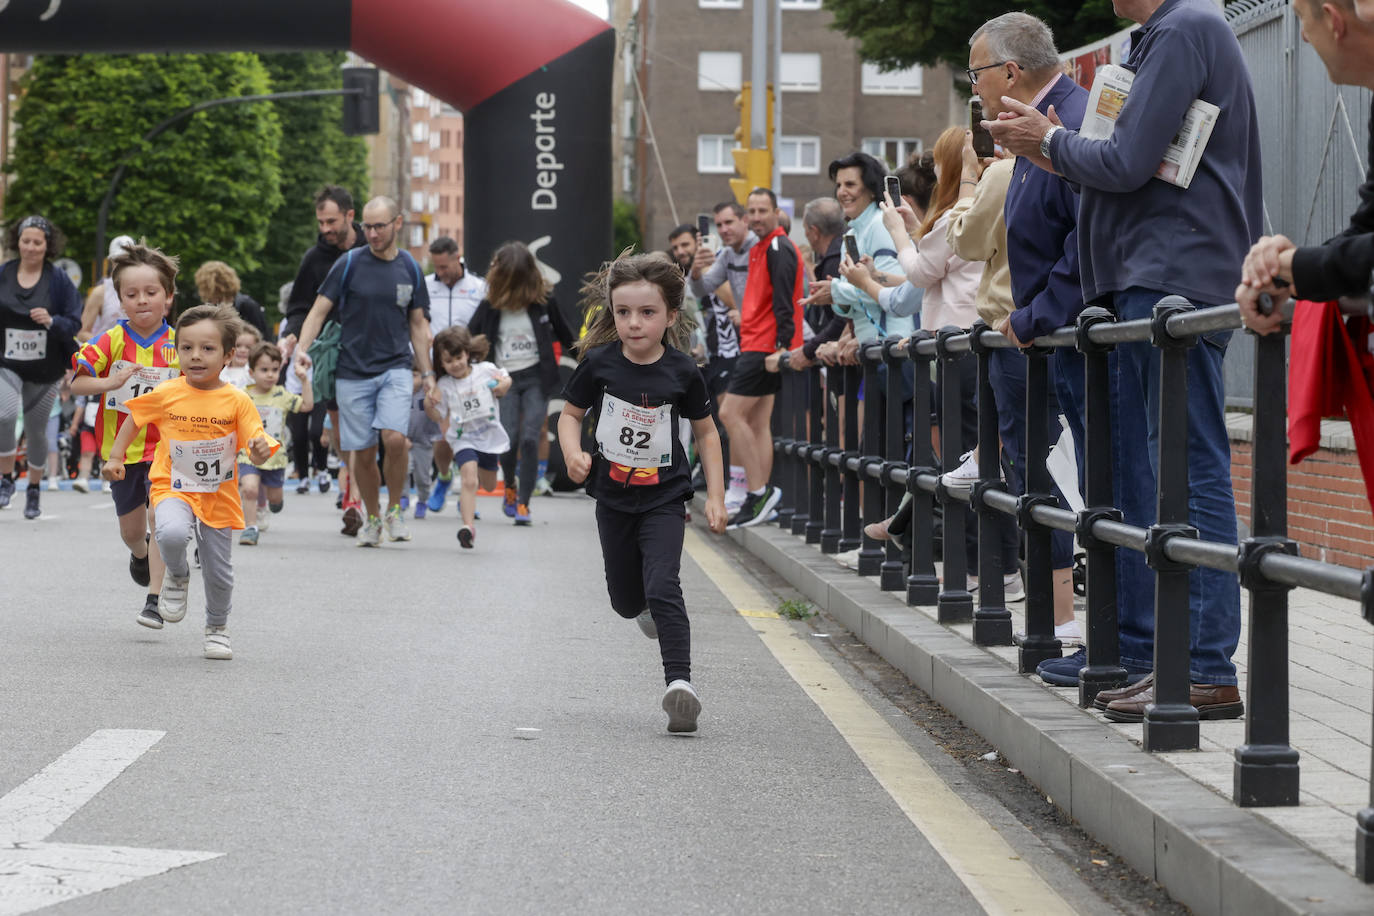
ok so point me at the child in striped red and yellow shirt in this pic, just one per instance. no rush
(130, 359)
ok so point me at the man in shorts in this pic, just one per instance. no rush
(382, 314)
(770, 320)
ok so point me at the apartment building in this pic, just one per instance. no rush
(434, 192)
(685, 61)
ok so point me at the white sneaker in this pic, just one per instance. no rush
(264, 520)
(217, 644)
(964, 476)
(52, 484)
(1012, 589)
(646, 624)
(681, 704)
(370, 534)
(542, 487)
(396, 529)
(171, 601)
(1068, 634)
(79, 485)
(849, 559)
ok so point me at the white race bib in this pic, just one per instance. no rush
(518, 347)
(22, 346)
(141, 382)
(474, 405)
(637, 437)
(201, 466)
(273, 420)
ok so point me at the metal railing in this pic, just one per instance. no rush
(821, 484)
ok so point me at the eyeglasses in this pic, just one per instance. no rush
(973, 74)
(377, 227)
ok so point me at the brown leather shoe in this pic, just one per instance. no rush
(878, 530)
(1212, 701)
(1101, 701)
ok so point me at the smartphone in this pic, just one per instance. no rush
(982, 140)
(894, 190)
(852, 247)
(704, 225)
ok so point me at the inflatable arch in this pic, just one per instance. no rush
(532, 77)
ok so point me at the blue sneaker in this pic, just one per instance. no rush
(1063, 672)
(436, 499)
(508, 504)
(420, 506)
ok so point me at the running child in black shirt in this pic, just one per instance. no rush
(637, 375)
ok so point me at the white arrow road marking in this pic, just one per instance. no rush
(34, 874)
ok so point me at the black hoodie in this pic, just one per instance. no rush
(314, 267)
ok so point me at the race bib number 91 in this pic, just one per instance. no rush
(202, 465)
(637, 437)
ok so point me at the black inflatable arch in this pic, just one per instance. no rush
(533, 78)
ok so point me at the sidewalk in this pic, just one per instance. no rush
(1169, 815)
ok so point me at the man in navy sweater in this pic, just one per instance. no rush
(1141, 239)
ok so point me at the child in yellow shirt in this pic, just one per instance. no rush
(201, 421)
(261, 484)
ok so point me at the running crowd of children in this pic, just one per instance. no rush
(189, 423)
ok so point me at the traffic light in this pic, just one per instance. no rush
(753, 166)
(360, 112)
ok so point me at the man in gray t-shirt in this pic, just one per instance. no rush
(382, 305)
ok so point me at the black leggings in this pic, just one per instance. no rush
(305, 441)
(643, 554)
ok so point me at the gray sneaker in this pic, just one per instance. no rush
(646, 624)
(370, 534)
(682, 706)
(171, 602)
(396, 529)
(217, 644)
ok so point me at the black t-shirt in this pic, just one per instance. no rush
(374, 312)
(630, 401)
(21, 337)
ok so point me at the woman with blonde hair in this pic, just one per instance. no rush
(521, 322)
(218, 284)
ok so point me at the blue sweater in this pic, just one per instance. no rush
(1137, 231)
(1042, 232)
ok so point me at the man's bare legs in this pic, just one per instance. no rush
(747, 420)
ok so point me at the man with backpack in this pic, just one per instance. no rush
(382, 314)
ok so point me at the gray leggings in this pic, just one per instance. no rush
(522, 413)
(421, 464)
(176, 525)
(36, 400)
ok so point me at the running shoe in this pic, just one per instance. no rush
(138, 570)
(756, 509)
(171, 604)
(303, 487)
(440, 494)
(149, 617)
(466, 536)
(964, 476)
(249, 536)
(6, 492)
(420, 508)
(681, 704)
(79, 485)
(352, 521)
(542, 487)
(1012, 589)
(508, 506)
(370, 535)
(1068, 634)
(324, 481)
(217, 644)
(1063, 672)
(52, 484)
(396, 529)
(31, 509)
(264, 521)
(522, 514)
(646, 624)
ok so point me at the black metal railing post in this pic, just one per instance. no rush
(801, 467)
(875, 401)
(1171, 722)
(814, 520)
(1103, 671)
(991, 619)
(955, 604)
(891, 578)
(783, 442)
(1040, 643)
(851, 519)
(834, 393)
(1266, 768)
(922, 585)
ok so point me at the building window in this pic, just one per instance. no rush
(417, 236)
(800, 4)
(894, 151)
(444, 171)
(445, 138)
(417, 201)
(713, 154)
(801, 72)
(419, 166)
(719, 71)
(444, 201)
(720, 4)
(418, 97)
(893, 82)
(799, 155)
(419, 131)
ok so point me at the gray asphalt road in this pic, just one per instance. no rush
(364, 752)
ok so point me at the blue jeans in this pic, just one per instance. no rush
(1213, 596)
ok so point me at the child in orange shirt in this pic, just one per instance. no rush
(201, 421)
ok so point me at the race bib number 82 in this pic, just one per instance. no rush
(636, 437)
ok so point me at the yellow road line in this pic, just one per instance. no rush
(998, 878)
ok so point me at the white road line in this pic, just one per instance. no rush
(1000, 880)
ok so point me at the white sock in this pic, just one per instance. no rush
(737, 479)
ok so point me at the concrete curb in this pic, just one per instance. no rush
(1207, 853)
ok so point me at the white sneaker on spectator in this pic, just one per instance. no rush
(964, 476)
(849, 559)
(1068, 634)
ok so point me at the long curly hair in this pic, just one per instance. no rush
(653, 267)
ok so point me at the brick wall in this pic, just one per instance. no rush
(1329, 514)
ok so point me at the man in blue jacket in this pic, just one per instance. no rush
(1140, 239)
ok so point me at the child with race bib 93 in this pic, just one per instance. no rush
(202, 421)
(262, 484)
(464, 406)
(636, 373)
(131, 358)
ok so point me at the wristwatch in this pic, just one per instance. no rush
(1045, 140)
(429, 374)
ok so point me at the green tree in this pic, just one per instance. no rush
(203, 190)
(314, 152)
(899, 33)
(625, 232)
